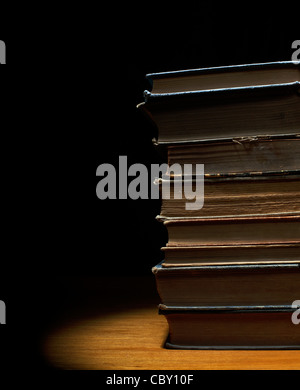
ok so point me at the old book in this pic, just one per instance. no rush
(231, 254)
(233, 195)
(244, 327)
(228, 285)
(225, 113)
(254, 154)
(224, 77)
(230, 231)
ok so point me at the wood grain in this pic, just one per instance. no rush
(130, 335)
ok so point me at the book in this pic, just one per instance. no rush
(240, 155)
(231, 269)
(225, 113)
(231, 254)
(243, 327)
(228, 231)
(234, 195)
(228, 285)
(224, 77)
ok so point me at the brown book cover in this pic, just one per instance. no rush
(231, 254)
(228, 285)
(232, 195)
(231, 231)
(240, 155)
(232, 327)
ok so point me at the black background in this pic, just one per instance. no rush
(68, 104)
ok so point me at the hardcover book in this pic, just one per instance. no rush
(219, 114)
(231, 254)
(229, 231)
(228, 285)
(221, 328)
(234, 196)
(233, 76)
(241, 155)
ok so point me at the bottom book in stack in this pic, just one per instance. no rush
(232, 327)
(240, 306)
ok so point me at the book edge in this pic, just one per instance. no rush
(216, 69)
(159, 267)
(150, 97)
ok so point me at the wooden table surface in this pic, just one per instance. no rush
(113, 324)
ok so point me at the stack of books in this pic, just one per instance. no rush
(231, 270)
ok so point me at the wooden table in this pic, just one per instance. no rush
(113, 324)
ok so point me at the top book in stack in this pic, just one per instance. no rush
(221, 103)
